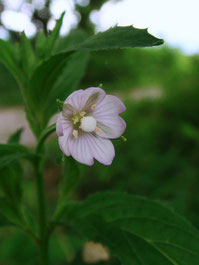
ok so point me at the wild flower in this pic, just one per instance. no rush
(88, 120)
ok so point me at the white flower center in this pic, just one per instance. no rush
(88, 124)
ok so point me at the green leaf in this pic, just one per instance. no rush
(9, 58)
(54, 78)
(67, 81)
(70, 177)
(4, 221)
(11, 182)
(15, 138)
(41, 43)
(75, 37)
(136, 230)
(28, 56)
(54, 35)
(12, 152)
(119, 37)
(69, 180)
(9, 215)
(45, 77)
(190, 132)
(40, 87)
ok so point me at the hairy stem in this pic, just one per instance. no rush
(43, 236)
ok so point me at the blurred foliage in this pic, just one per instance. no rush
(40, 13)
(159, 159)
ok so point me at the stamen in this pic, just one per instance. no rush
(75, 133)
(82, 113)
(75, 120)
(98, 130)
(93, 106)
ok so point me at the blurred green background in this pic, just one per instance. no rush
(160, 87)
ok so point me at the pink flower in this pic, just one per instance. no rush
(88, 120)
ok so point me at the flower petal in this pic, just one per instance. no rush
(80, 98)
(63, 144)
(59, 128)
(66, 124)
(102, 149)
(79, 149)
(110, 105)
(110, 126)
(64, 129)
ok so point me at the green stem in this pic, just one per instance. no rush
(43, 236)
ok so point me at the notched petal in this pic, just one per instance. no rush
(111, 126)
(91, 101)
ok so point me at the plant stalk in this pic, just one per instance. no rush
(43, 236)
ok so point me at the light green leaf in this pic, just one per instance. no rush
(138, 231)
(117, 38)
(12, 152)
(29, 59)
(8, 57)
(75, 37)
(41, 43)
(15, 138)
(190, 132)
(54, 35)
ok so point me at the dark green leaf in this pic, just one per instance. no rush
(138, 231)
(41, 85)
(119, 37)
(54, 78)
(11, 182)
(190, 132)
(70, 177)
(9, 215)
(12, 152)
(67, 81)
(15, 138)
(4, 221)
(45, 77)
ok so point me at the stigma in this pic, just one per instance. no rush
(88, 124)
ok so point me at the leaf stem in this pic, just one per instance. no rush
(47, 132)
